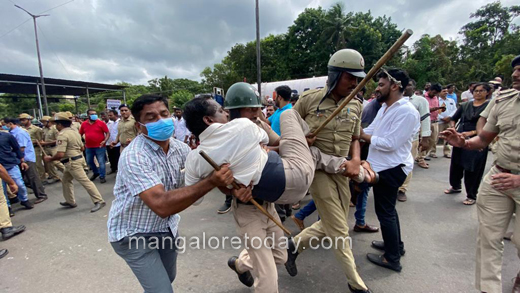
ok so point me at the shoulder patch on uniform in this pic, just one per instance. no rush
(359, 99)
(310, 92)
(506, 95)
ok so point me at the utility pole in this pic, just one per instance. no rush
(258, 65)
(44, 92)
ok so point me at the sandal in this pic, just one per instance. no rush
(451, 190)
(469, 201)
(423, 164)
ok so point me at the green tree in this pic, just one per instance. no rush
(180, 98)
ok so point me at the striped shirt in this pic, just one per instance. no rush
(143, 165)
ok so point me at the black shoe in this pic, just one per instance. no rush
(381, 246)
(245, 278)
(292, 254)
(102, 180)
(40, 199)
(27, 204)
(427, 158)
(11, 212)
(93, 177)
(11, 231)
(224, 208)
(358, 290)
(14, 200)
(69, 205)
(3, 252)
(98, 206)
(380, 261)
(401, 196)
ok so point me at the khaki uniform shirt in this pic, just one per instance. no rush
(503, 118)
(69, 142)
(35, 132)
(75, 125)
(126, 130)
(336, 137)
(50, 134)
(273, 137)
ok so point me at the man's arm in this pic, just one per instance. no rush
(57, 157)
(8, 180)
(167, 203)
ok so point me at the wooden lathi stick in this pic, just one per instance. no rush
(387, 56)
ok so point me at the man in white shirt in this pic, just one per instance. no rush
(467, 96)
(445, 118)
(181, 132)
(113, 151)
(390, 136)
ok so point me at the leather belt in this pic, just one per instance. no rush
(504, 170)
(65, 161)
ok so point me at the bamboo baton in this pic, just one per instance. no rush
(387, 56)
(39, 144)
(235, 186)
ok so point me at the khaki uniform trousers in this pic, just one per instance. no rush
(39, 163)
(260, 258)
(5, 219)
(297, 159)
(494, 210)
(433, 141)
(74, 170)
(50, 167)
(415, 152)
(446, 150)
(332, 197)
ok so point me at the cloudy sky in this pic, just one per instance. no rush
(137, 40)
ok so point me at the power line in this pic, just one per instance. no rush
(15, 28)
(52, 49)
(55, 6)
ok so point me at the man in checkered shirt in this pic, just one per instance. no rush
(143, 219)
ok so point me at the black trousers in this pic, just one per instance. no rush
(385, 198)
(33, 178)
(113, 157)
(471, 179)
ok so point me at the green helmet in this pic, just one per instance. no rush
(345, 60)
(35, 121)
(242, 95)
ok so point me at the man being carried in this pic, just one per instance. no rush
(269, 177)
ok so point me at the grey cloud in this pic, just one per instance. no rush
(114, 40)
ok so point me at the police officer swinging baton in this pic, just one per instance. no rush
(235, 186)
(387, 56)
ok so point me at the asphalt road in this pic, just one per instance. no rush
(66, 250)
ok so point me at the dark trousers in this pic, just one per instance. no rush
(154, 265)
(113, 157)
(471, 179)
(385, 198)
(33, 178)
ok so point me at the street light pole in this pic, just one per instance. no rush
(44, 92)
(258, 65)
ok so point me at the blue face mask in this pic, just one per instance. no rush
(93, 117)
(5, 128)
(160, 130)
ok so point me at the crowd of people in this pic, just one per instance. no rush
(277, 152)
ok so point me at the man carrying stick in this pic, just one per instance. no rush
(339, 137)
(268, 176)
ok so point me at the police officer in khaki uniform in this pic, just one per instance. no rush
(69, 153)
(36, 134)
(50, 135)
(331, 192)
(126, 130)
(499, 192)
(75, 124)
